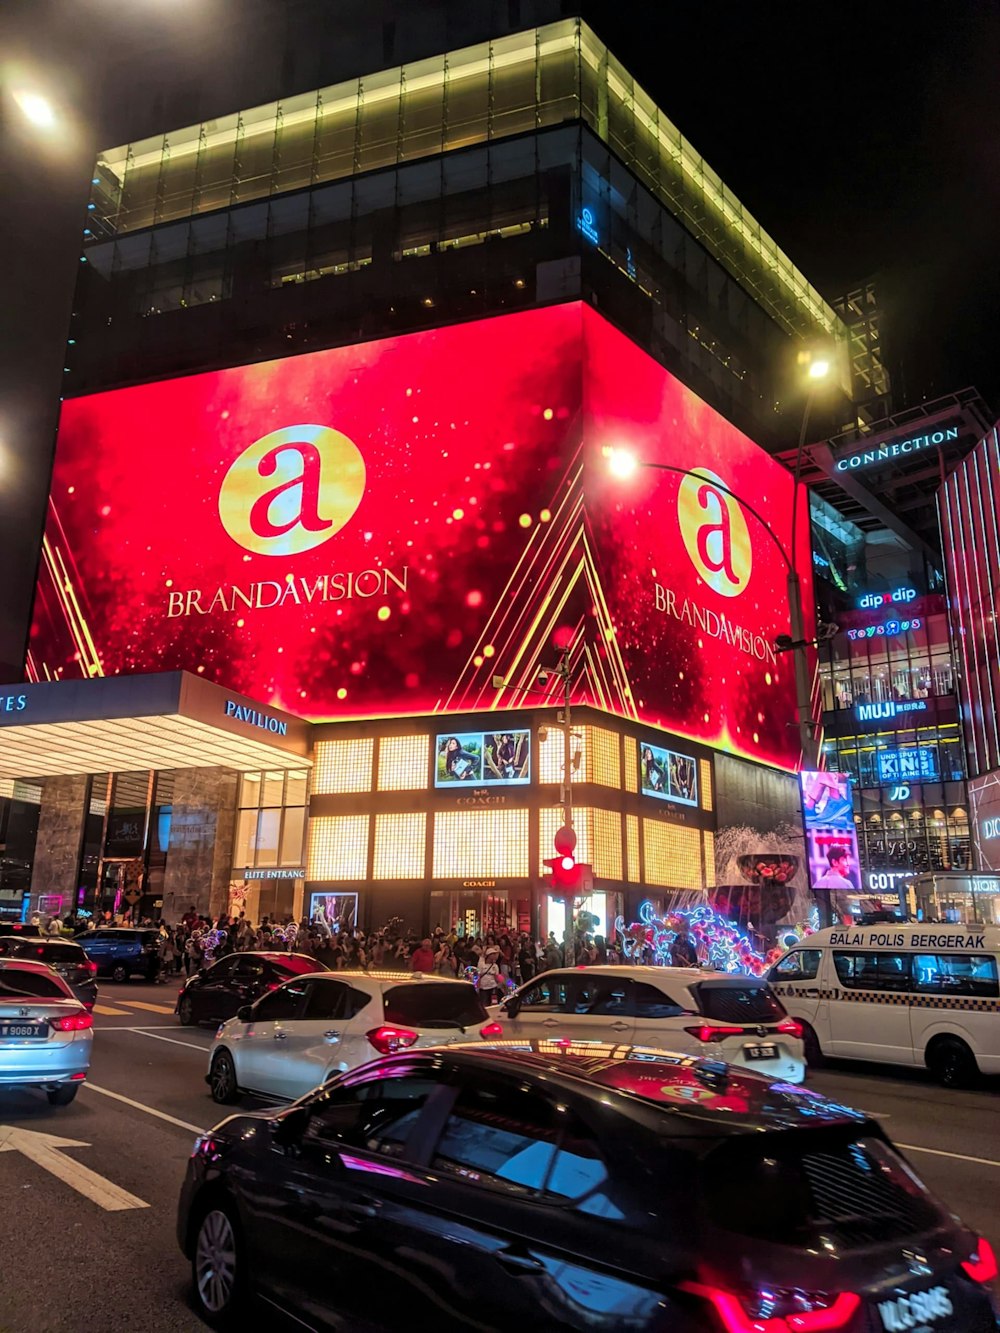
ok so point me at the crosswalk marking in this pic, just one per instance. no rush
(108, 1012)
(152, 1008)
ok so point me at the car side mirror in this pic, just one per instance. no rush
(245, 1014)
(511, 1006)
(287, 1129)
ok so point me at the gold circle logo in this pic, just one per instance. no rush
(292, 490)
(715, 532)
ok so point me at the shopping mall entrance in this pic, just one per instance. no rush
(125, 791)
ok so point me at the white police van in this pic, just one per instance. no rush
(907, 994)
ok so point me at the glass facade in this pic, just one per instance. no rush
(916, 664)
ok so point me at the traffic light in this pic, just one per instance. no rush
(566, 875)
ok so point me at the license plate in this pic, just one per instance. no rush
(760, 1052)
(23, 1030)
(918, 1310)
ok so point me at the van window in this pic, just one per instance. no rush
(799, 965)
(873, 971)
(955, 974)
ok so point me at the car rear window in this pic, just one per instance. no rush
(430, 1004)
(738, 1002)
(853, 1190)
(22, 981)
(43, 953)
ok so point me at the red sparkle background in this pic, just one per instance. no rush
(470, 436)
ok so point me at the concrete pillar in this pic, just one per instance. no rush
(199, 854)
(61, 818)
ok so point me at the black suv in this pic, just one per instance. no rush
(552, 1186)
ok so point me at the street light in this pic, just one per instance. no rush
(35, 108)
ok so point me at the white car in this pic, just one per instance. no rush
(682, 1009)
(314, 1026)
(46, 1034)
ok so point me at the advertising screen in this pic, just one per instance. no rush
(338, 910)
(918, 764)
(383, 529)
(487, 759)
(831, 837)
(667, 775)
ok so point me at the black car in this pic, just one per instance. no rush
(217, 991)
(67, 958)
(553, 1186)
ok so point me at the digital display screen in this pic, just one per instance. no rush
(667, 775)
(831, 836)
(339, 911)
(918, 764)
(483, 759)
(380, 530)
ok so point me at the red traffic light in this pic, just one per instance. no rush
(567, 875)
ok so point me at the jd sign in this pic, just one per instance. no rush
(292, 490)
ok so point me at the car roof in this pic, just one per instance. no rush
(680, 1094)
(388, 978)
(647, 972)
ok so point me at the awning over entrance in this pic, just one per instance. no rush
(129, 723)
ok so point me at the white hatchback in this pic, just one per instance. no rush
(681, 1009)
(312, 1027)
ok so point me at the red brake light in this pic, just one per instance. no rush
(731, 1311)
(91, 967)
(714, 1032)
(982, 1265)
(387, 1040)
(72, 1023)
(791, 1027)
(491, 1030)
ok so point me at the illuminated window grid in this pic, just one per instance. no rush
(403, 763)
(606, 841)
(603, 756)
(632, 847)
(400, 846)
(705, 774)
(343, 766)
(476, 843)
(709, 837)
(550, 819)
(673, 855)
(338, 847)
(631, 764)
(550, 754)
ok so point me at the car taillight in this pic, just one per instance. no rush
(491, 1030)
(91, 967)
(714, 1032)
(812, 1312)
(791, 1027)
(982, 1265)
(72, 1023)
(388, 1040)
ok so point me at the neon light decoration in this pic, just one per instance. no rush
(719, 944)
(888, 630)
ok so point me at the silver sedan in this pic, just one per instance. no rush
(46, 1034)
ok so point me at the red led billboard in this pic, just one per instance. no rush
(384, 528)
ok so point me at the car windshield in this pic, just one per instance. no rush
(430, 1004)
(817, 1187)
(738, 1002)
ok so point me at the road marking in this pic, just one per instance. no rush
(175, 1041)
(940, 1152)
(108, 1012)
(152, 1008)
(140, 1106)
(44, 1151)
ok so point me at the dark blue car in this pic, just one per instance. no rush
(121, 952)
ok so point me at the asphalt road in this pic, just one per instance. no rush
(69, 1263)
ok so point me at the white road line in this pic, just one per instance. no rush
(175, 1041)
(940, 1152)
(45, 1151)
(140, 1106)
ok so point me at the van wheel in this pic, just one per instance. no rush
(952, 1063)
(815, 1058)
(119, 973)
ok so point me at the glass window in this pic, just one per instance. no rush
(292, 834)
(600, 995)
(273, 789)
(281, 1005)
(328, 999)
(246, 838)
(549, 995)
(248, 969)
(873, 971)
(249, 790)
(20, 981)
(499, 1135)
(799, 965)
(578, 1167)
(377, 1115)
(434, 1004)
(220, 971)
(650, 1002)
(955, 974)
(268, 824)
(296, 788)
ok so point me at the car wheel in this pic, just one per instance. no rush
(63, 1095)
(119, 972)
(222, 1079)
(813, 1050)
(185, 1010)
(952, 1063)
(217, 1268)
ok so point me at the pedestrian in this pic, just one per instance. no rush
(489, 975)
(422, 958)
(445, 962)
